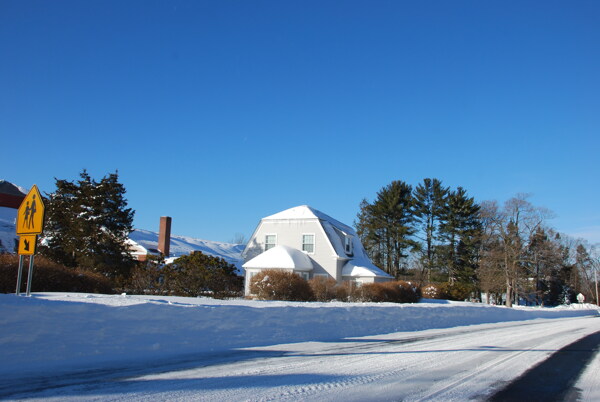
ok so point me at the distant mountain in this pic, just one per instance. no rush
(180, 245)
(8, 236)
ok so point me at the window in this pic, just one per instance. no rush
(348, 245)
(270, 241)
(308, 243)
(304, 275)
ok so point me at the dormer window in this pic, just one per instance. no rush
(348, 245)
(270, 241)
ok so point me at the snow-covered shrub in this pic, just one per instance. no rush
(324, 288)
(431, 291)
(274, 284)
(51, 277)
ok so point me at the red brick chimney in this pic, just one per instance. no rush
(164, 235)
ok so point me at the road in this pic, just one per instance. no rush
(464, 363)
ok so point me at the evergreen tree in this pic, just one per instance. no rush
(367, 236)
(387, 226)
(543, 259)
(201, 274)
(582, 278)
(87, 225)
(430, 199)
(460, 229)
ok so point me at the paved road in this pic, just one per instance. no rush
(481, 362)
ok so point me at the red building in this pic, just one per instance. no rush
(10, 195)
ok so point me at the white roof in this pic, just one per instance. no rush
(355, 269)
(281, 257)
(135, 248)
(306, 212)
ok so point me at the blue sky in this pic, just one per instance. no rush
(219, 113)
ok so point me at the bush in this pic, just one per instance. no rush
(51, 277)
(392, 292)
(456, 291)
(324, 288)
(432, 291)
(199, 274)
(407, 292)
(148, 278)
(274, 284)
(346, 291)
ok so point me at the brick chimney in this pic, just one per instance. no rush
(164, 235)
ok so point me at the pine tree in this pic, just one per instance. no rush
(460, 229)
(543, 259)
(430, 199)
(87, 225)
(201, 274)
(387, 226)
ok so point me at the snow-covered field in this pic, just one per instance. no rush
(57, 335)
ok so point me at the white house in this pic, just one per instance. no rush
(310, 243)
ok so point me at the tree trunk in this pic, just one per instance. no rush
(509, 293)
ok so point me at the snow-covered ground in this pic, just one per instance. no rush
(56, 336)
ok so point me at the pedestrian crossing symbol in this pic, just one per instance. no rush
(30, 217)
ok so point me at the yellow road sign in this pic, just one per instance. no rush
(27, 244)
(30, 218)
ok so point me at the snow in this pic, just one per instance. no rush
(53, 332)
(8, 234)
(182, 245)
(281, 257)
(299, 212)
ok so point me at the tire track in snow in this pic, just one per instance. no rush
(403, 373)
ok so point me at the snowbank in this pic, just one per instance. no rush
(54, 332)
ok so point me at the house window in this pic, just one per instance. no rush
(304, 275)
(270, 241)
(308, 243)
(348, 245)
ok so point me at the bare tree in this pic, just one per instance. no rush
(508, 231)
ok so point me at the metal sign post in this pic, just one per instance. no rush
(30, 275)
(20, 274)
